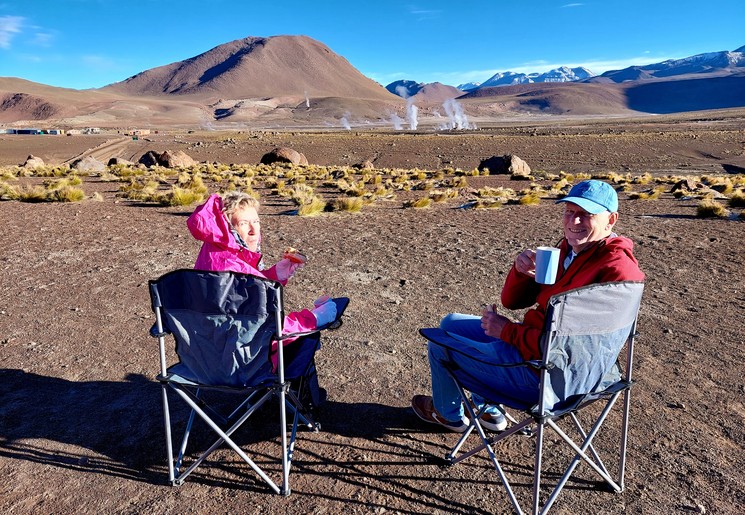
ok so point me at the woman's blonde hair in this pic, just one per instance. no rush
(235, 200)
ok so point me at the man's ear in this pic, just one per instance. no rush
(612, 219)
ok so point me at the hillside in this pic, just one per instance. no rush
(256, 67)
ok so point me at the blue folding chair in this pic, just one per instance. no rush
(227, 328)
(586, 330)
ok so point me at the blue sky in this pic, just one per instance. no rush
(90, 43)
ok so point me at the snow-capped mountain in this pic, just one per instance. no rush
(561, 74)
(701, 63)
(469, 86)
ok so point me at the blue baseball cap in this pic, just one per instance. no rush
(593, 196)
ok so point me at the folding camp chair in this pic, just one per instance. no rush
(585, 332)
(226, 327)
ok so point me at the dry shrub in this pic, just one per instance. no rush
(457, 182)
(8, 191)
(423, 202)
(423, 186)
(348, 204)
(312, 208)
(528, 199)
(67, 194)
(180, 197)
(709, 208)
(642, 179)
(737, 199)
(442, 196)
(141, 189)
(32, 194)
(488, 203)
(652, 194)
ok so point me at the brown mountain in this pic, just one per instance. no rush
(659, 96)
(285, 81)
(255, 67)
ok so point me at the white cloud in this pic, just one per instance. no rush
(571, 5)
(424, 14)
(9, 26)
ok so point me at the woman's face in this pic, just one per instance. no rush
(581, 228)
(246, 221)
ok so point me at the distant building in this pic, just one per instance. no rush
(140, 132)
(91, 130)
(56, 132)
(28, 131)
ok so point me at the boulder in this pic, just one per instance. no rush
(150, 158)
(33, 162)
(506, 164)
(119, 161)
(88, 164)
(284, 155)
(365, 165)
(176, 159)
(684, 185)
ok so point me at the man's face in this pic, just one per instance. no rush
(246, 222)
(581, 228)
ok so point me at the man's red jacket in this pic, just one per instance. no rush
(609, 260)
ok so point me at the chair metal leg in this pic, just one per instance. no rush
(285, 490)
(224, 438)
(169, 444)
(624, 438)
(537, 468)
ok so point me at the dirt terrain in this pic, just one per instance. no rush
(81, 426)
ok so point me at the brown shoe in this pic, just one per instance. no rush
(425, 409)
(496, 422)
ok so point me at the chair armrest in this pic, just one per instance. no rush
(341, 306)
(444, 339)
(154, 332)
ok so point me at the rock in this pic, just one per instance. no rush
(33, 162)
(150, 158)
(88, 164)
(506, 164)
(364, 165)
(119, 161)
(284, 155)
(177, 159)
(684, 185)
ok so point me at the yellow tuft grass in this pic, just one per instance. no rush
(348, 204)
(8, 191)
(32, 194)
(312, 208)
(67, 194)
(421, 203)
(709, 208)
(180, 197)
(737, 199)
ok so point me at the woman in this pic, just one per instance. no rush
(230, 230)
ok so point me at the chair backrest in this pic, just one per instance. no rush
(223, 322)
(586, 329)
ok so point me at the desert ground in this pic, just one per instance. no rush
(81, 426)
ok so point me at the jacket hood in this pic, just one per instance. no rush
(209, 224)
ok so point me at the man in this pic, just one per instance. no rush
(590, 253)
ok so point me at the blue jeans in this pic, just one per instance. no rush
(517, 382)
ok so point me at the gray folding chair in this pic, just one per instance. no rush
(226, 327)
(586, 330)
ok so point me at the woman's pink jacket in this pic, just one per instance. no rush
(221, 252)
